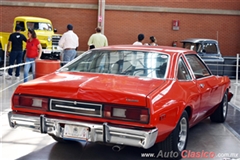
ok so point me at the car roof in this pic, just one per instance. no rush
(197, 40)
(33, 19)
(164, 49)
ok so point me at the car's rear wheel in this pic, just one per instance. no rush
(176, 142)
(220, 113)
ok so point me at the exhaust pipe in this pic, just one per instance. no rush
(117, 148)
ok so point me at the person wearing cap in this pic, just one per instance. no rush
(15, 43)
(140, 39)
(97, 39)
(69, 42)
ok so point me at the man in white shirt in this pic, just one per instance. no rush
(97, 39)
(140, 39)
(69, 42)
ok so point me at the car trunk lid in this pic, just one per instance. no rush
(93, 87)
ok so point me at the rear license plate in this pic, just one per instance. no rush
(72, 131)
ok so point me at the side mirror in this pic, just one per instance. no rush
(55, 30)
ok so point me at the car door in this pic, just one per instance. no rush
(206, 83)
(187, 82)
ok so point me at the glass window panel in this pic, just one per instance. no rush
(39, 26)
(121, 62)
(183, 73)
(198, 67)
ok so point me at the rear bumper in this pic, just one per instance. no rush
(107, 133)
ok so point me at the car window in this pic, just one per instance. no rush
(192, 46)
(39, 26)
(209, 48)
(199, 68)
(21, 23)
(121, 62)
(183, 73)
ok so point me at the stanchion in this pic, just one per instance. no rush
(237, 66)
(5, 61)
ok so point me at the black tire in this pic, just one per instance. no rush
(220, 114)
(58, 139)
(176, 142)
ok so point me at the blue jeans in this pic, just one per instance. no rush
(15, 56)
(68, 55)
(27, 68)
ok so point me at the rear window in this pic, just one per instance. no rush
(209, 48)
(206, 47)
(122, 62)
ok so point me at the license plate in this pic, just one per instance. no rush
(46, 51)
(72, 131)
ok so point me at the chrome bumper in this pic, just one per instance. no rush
(107, 133)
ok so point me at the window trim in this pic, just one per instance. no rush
(200, 59)
(185, 66)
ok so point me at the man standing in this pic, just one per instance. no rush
(97, 39)
(15, 42)
(69, 42)
(140, 39)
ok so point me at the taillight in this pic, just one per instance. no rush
(137, 114)
(29, 101)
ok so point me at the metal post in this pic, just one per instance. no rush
(5, 60)
(99, 18)
(237, 66)
(101, 14)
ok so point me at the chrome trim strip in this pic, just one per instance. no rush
(85, 109)
(76, 108)
(84, 114)
(93, 104)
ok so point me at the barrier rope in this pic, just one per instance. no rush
(18, 81)
(13, 84)
(22, 64)
(15, 65)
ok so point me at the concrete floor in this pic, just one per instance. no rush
(221, 139)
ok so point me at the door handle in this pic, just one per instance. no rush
(201, 85)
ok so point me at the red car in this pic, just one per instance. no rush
(140, 96)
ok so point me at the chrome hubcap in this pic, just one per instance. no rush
(182, 134)
(225, 105)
